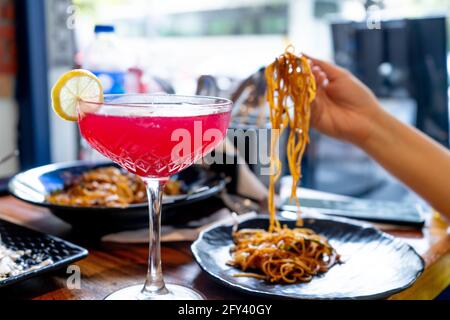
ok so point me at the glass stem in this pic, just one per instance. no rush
(154, 284)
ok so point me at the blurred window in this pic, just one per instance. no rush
(270, 19)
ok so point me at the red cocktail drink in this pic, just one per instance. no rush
(154, 136)
(154, 146)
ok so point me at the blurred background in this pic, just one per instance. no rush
(398, 48)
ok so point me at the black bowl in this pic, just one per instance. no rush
(375, 264)
(34, 185)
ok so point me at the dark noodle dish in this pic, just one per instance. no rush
(106, 187)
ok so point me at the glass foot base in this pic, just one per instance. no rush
(176, 292)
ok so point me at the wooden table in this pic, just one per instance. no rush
(112, 266)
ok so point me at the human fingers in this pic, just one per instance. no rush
(320, 76)
(332, 71)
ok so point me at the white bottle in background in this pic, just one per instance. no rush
(107, 59)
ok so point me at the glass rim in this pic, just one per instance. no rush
(223, 102)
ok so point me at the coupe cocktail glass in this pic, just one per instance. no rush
(154, 137)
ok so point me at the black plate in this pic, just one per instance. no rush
(33, 185)
(376, 266)
(61, 252)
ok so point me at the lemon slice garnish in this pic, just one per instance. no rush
(72, 87)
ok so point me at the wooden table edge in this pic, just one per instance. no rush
(434, 280)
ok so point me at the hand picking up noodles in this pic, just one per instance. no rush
(281, 254)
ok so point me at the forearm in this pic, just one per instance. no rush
(415, 159)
